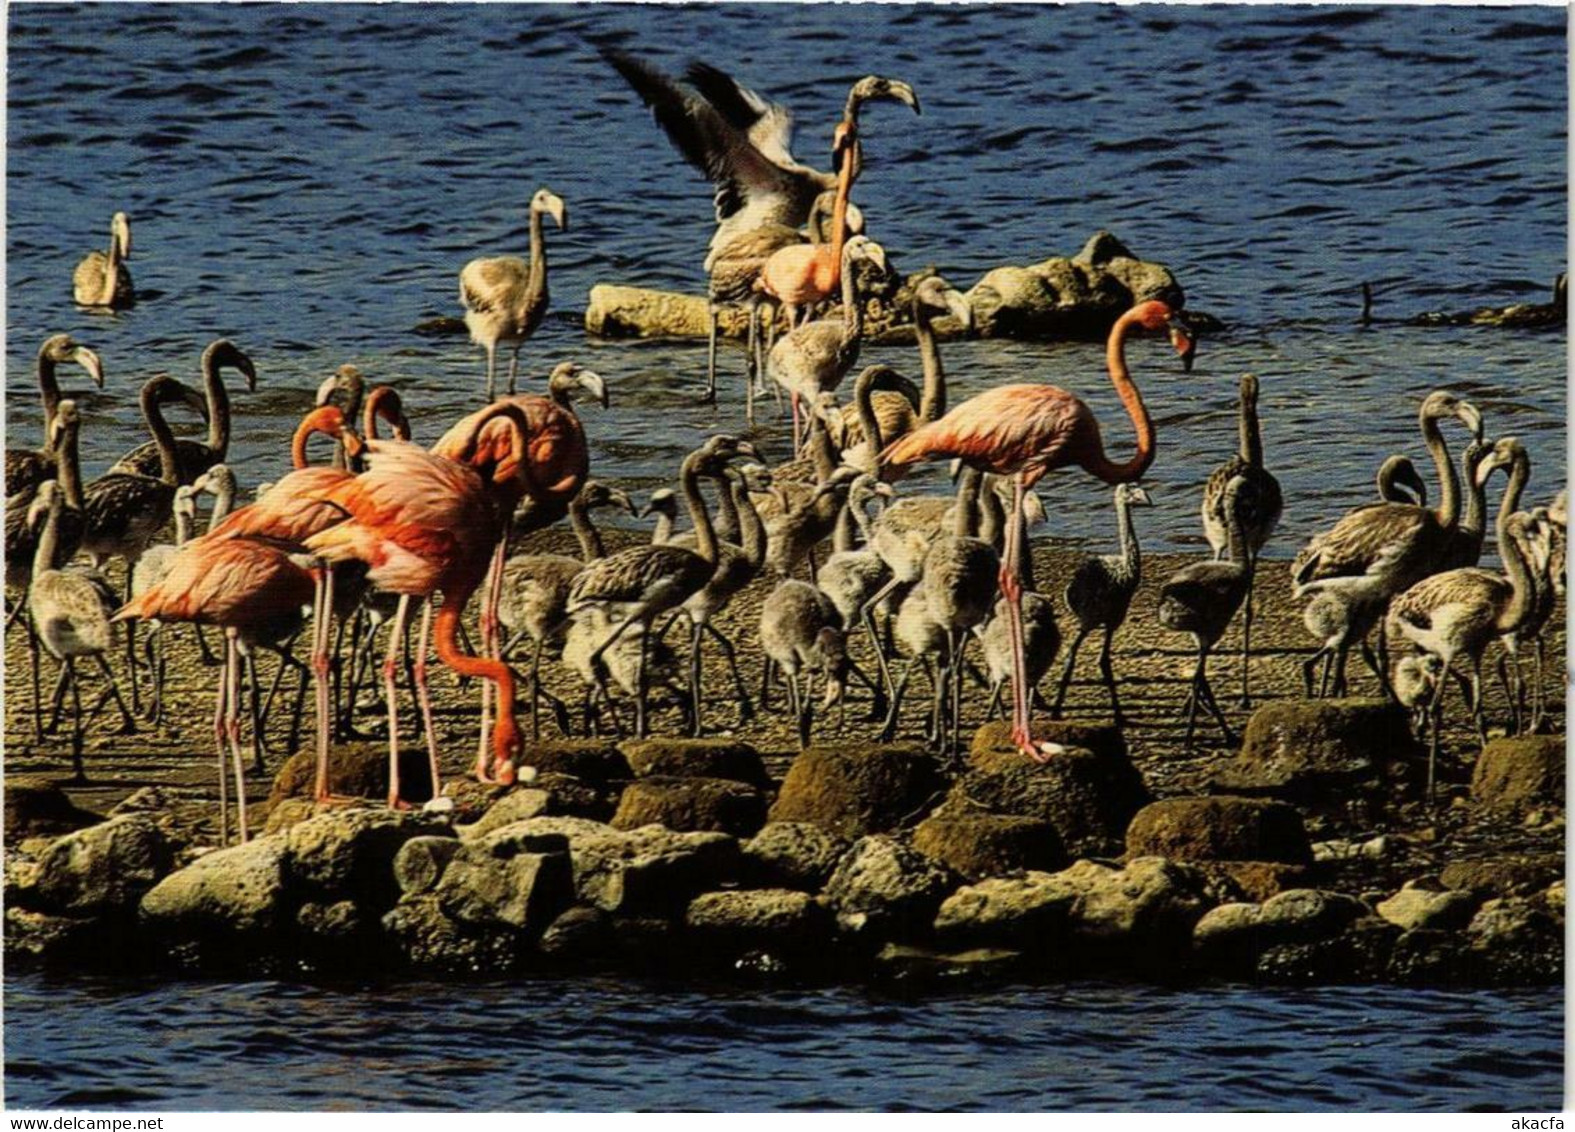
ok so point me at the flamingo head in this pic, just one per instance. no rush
(1399, 471)
(936, 294)
(1134, 495)
(864, 248)
(120, 231)
(223, 352)
(1184, 339)
(595, 493)
(63, 348)
(755, 478)
(50, 497)
(346, 379)
(1441, 403)
(843, 138)
(551, 203)
(67, 420)
(186, 502)
(663, 501)
(873, 87)
(832, 645)
(1506, 452)
(507, 747)
(566, 377)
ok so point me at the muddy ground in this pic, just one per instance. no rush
(1152, 663)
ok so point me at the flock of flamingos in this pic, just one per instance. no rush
(389, 530)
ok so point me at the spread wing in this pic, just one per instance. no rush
(732, 135)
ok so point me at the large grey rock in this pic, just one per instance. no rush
(690, 804)
(349, 853)
(1418, 906)
(857, 789)
(1324, 752)
(516, 805)
(1088, 796)
(581, 935)
(790, 854)
(1143, 912)
(1517, 941)
(1233, 936)
(495, 880)
(976, 845)
(429, 940)
(104, 869)
(1080, 297)
(695, 758)
(771, 919)
(236, 892)
(641, 870)
(1520, 772)
(885, 886)
(420, 862)
(1219, 828)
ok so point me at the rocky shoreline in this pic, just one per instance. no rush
(862, 862)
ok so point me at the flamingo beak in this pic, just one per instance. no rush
(745, 448)
(1471, 417)
(354, 445)
(194, 400)
(595, 385)
(89, 361)
(325, 391)
(906, 95)
(244, 364)
(1181, 337)
(960, 309)
(877, 255)
(621, 498)
(558, 211)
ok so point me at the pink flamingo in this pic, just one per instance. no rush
(288, 514)
(426, 524)
(1025, 431)
(248, 587)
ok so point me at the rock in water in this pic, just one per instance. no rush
(886, 888)
(230, 896)
(790, 854)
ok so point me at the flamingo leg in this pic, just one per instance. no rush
(128, 726)
(1246, 632)
(78, 770)
(1066, 673)
(32, 664)
(131, 642)
(514, 366)
(1012, 588)
(710, 353)
(889, 731)
(396, 647)
(218, 742)
(493, 596)
(1108, 671)
(320, 674)
(695, 632)
(424, 697)
(232, 729)
(492, 364)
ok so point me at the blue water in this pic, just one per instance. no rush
(309, 180)
(602, 1044)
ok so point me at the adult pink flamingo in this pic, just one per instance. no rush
(426, 524)
(1025, 431)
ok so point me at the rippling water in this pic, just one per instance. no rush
(310, 179)
(594, 1044)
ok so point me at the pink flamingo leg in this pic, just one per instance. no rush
(232, 727)
(1012, 589)
(424, 695)
(219, 745)
(490, 647)
(320, 674)
(396, 643)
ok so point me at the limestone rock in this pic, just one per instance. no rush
(1515, 941)
(355, 770)
(639, 312)
(689, 804)
(1255, 880)
(569, 796)
(516, 805)
(287, 812)
(593, 760)
(1520, 772)
(1219, 828)
(1503, 876)
(235, 892)
(493, 881)
(43, 936)
(429, 940)
(695, 758)
(1087, 796)
(975, 845)
(885, 886)
(349, 853)
(858, 789)
(773, 919)
(641, 870)
(798, 855)
(1415, 906)
(1429, 957)
(580, 935)
(104, 869)
(1029, 912)
(992, 748)
(37, 807)
(420, 862)
(1323, 751)
(1309, 913)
